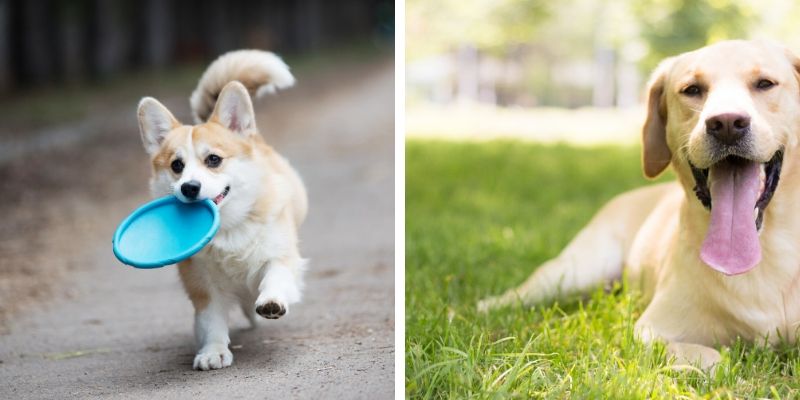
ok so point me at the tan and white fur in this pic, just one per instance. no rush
(655, 233)
(253, 260)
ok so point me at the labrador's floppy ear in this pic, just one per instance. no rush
(656, 155)
(795, 60)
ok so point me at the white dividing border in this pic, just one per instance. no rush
(399, 199)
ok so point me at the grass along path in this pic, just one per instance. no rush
(479, 218)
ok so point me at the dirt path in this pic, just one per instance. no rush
(80, 324)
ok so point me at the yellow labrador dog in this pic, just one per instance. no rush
(716, 254)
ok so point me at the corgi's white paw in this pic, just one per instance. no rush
(271, 308)
(213, 356)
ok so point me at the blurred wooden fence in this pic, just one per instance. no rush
(47, 41)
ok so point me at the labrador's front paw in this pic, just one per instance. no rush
(694, 354)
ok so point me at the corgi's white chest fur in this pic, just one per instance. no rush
(249, 246)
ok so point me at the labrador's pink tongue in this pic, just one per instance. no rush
(731, 245)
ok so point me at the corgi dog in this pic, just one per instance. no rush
(254, 258)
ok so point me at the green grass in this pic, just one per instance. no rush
(479, 218)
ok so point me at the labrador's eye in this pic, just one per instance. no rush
(177, 166)
(765, 84)
(213, 160)
(692, 90)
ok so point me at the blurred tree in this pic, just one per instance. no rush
(440, 26)
(470, 29)
(5, 63)
(671, 27)
(54, 41)
(571, 53)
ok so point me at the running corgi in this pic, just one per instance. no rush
(254, 258)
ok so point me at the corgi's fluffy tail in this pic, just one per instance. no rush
(261, 72)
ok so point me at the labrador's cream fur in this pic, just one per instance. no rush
(655, 233)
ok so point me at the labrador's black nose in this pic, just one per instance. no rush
(191, 189)
(728, 128)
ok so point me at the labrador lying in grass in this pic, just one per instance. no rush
(716, 254)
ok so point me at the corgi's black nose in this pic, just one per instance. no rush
(191, 189)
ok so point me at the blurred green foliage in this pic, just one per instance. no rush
(640, 31)
(676, 26)
(492, 25)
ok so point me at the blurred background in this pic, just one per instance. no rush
(75, 320)
(80, 46)
(46, 42)
(542, 69)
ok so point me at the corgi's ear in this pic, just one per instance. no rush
(234, 110)
(155, 122)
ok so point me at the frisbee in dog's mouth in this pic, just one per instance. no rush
(736, 191)
(222, 195)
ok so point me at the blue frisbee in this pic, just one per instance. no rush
(165, 231)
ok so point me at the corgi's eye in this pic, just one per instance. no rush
(177, 166)
(213, 160)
